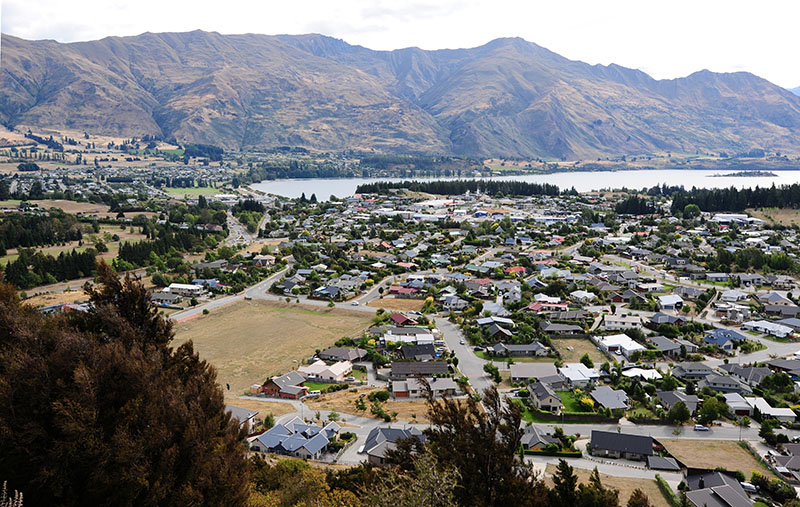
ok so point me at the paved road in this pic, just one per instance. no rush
(469, 364)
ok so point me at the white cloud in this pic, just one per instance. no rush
(669, 39)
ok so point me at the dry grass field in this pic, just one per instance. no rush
(712, 454)
(625, 485)
(401, 304)
(783, 216)
(264, 408)
(249, 341)
(344, 403)
(580, 346)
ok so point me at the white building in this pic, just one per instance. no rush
(620, 322)
(618, 344)
(767, 327)
(577, 374)
(781, 414)
(185, 290)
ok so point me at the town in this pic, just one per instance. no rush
(657, 346)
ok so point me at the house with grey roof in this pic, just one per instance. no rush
(535, 438)
(382, 440)
(246, 417)
(611, 444)
(543, 397)
(612, 399)
(526, 372)
(295, 438)
(668, 399)
(691, 370)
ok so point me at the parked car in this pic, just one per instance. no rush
(700, 427)
(354, 303)
(462, 342)
(350, 379)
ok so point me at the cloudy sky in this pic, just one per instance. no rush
(664, 38)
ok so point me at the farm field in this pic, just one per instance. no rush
(580, 346)
(248, 341)
(712, 454)
(402, 304)
(625, 485)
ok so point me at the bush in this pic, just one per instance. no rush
(378, 395)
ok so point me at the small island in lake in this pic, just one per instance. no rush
(744, 174)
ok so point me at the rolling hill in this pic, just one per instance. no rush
(509, 97)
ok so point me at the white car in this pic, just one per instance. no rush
(354, 303)
(462, 342)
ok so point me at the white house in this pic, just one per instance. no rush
(767, 327)
(670, 302)
(733, 295)
(185, 290)
(781, 414)
(320, 371)
(620, 322)
(577, 374)
(618, 344)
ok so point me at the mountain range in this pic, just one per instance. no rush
(508, 98)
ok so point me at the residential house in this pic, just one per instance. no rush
(343, 354)
(558, 328)
(733, 296)
(767, 327)
(527, 372)
(381, 440)
(723, 338)
(319, 371)
(611, 444)
(289, 385)
(425, 352)
(535, 438)
(668, 399)
(620, 322)
(529, 349)
(737, 405)
(543, 397)
(670, 302)
(296, 438)
(578, 374)
(750, 375)
(723, 384)
(415, 388)
(402, 370)
(612, 399)
(691, 371)
(620, 344)
(766, 410)
(246, 418)
(715, 489)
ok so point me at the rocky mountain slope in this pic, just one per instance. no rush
(509, 97)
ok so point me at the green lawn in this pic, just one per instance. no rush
(191, 191)
(316, 386)
(10, 203)
(570, 401)
(359, 374)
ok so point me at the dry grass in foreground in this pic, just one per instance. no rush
(712, 454)
(625, 485)
(249, 341)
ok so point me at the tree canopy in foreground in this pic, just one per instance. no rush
(96, 408)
